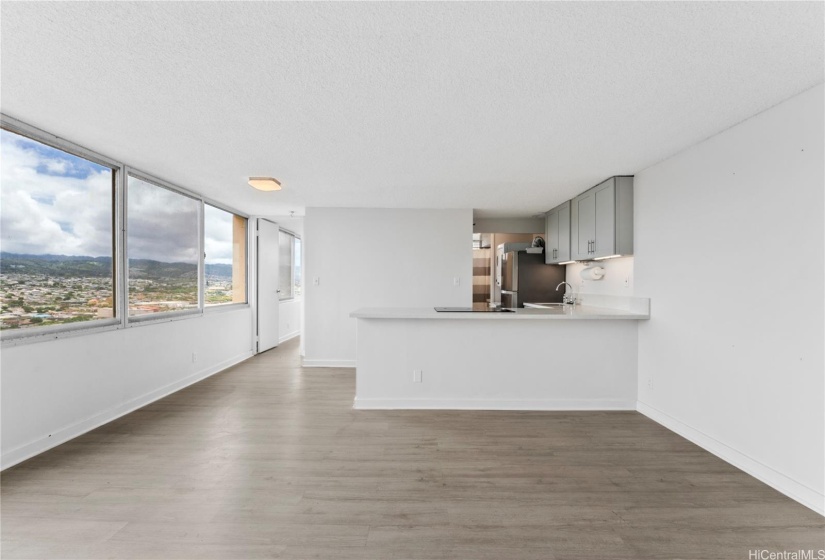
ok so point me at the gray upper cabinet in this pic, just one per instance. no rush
(583, 225)
(557, 234)
(601, 220)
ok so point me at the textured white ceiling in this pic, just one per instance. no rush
(508, 108)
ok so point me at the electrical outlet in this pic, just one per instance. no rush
(650, 383)
(626, 281)
(316, 281)
(194, 357)
(456, 281)
(416, 376)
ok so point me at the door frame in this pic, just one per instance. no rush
(256, 336)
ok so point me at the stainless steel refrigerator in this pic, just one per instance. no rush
(526, 279)
(500, 251)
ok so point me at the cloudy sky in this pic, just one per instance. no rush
(56, 203)
(218, 233)
(52, 202)
(161, 225)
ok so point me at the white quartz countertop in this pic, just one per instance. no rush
(567, 312)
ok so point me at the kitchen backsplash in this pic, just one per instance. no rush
(617, 280)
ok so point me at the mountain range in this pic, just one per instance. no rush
(70, 266)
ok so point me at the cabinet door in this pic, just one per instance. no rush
(605, 220)
(563, 253)
(551, 237)
(584, 225)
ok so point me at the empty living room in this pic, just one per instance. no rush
(412, 280)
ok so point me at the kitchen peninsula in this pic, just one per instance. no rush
(581, 357)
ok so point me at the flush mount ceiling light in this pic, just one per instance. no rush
(265, 183)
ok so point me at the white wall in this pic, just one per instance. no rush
(463, 366)
(613, 282)
(289, 319)
(379, 258)
(729, 247)
(289, 223)
(509, 225)
(55, 390)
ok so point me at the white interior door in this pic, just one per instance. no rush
(268, 292)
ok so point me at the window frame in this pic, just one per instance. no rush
(120, 254)
(160, 183)
(291, 264)
(10, 337)
(234, 304)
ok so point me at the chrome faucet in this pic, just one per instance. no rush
(568, 298)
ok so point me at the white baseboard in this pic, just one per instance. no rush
(793, 489)
(490, 404)
(38, 446)
(309, 362)
(289, 336)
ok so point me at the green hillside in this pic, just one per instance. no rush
(64, 266)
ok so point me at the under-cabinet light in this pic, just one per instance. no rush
(567, 262)
(603, 258)
(265, 183)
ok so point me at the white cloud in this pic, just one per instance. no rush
(58, 167)
(161, 225)
(51, 204)
(217, 236)
(35, 204)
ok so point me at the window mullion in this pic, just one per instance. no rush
(201, 258)
(121, 302)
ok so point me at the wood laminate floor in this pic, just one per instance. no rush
(268, 460)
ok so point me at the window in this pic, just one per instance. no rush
(290, 267)
(162, 246)
(86, 242)
(225, 256)
(57, 234)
